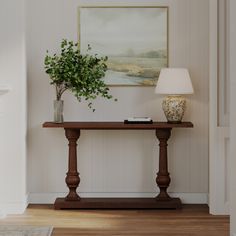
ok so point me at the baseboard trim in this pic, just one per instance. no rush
(187, 198)
(13, 207)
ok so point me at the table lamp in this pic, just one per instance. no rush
(174, 82)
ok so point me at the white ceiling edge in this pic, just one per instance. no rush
(4, 89)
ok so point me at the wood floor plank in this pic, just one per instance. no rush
(192, 220)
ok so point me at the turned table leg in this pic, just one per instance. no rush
(163, 178)
(72, 178)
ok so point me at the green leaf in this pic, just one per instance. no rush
(79, 73)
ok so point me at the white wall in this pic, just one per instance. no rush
(120, 163)
(12, 108)
(232, 49)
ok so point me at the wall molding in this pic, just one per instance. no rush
(187, 198)
(232, 72)
(218, 131)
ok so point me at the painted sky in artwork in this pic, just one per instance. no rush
(116, 31)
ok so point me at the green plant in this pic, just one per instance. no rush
(81, 74)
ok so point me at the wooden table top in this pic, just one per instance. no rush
(116, 125)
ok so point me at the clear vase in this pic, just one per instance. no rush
(58, 111)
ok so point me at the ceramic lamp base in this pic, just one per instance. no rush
(174, 107)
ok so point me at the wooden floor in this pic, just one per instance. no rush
(192, 220)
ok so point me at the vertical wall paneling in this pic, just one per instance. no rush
(13, 195)
(223, 78)
(232, 73)
(218, 122)
(113, 163)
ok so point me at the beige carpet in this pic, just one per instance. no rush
(10, 230)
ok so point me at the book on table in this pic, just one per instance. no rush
(138, 120)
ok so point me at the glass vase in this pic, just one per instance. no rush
(58, 111)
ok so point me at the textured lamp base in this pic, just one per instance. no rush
(174, 107)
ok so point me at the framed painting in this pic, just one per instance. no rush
(135, 39)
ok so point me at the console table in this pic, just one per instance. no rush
(73, 200)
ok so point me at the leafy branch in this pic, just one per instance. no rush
(81, 74)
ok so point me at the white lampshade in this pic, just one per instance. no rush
(174, 81)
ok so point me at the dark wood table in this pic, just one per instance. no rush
(73, 200)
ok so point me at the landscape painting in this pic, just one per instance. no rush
(135, 39)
